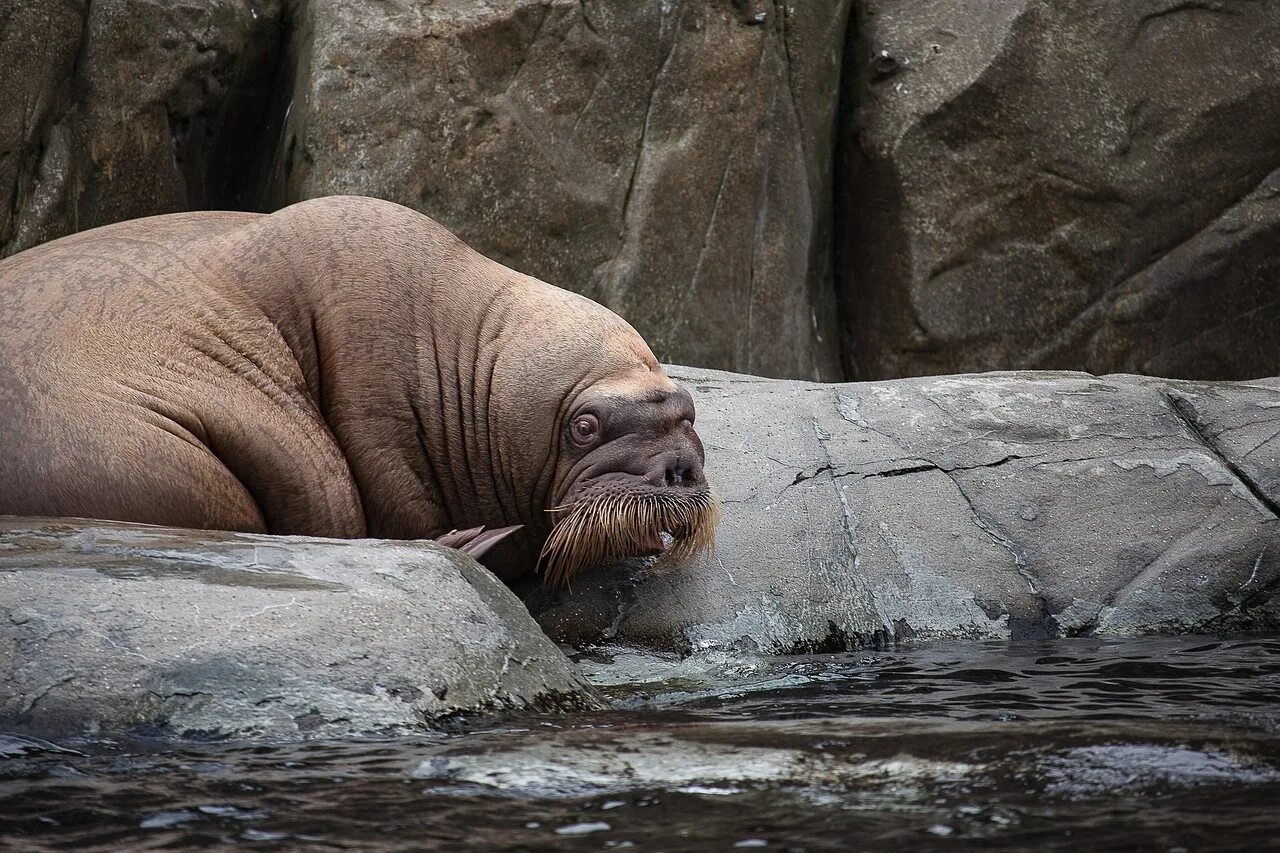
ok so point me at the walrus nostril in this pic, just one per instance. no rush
(682, 474)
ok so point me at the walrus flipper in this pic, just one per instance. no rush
(476, 541)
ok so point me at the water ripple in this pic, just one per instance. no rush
(1143, 743)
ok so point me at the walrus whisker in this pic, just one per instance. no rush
(603, 527)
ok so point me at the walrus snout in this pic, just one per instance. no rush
(676, 470)
(651, 544)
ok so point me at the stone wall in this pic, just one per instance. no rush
(847, 189)
(118, 109)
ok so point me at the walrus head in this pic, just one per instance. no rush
(622, 473)
(631, 477)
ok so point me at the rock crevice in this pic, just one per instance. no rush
(1183, 407)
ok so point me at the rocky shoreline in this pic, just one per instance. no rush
(996, 506)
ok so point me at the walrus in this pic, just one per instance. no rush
(344, 367)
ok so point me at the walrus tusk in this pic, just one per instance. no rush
(475, 542)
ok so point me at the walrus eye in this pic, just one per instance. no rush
(584, 428)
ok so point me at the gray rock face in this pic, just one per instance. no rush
(670, 160)
(113, 627)
(1025, 184)
(127, 108)
(1049, 184)
(1015, 505)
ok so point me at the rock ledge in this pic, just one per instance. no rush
(993, 506)
(116, 627)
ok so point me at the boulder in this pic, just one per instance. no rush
(1088, 185)
(672, 161)
(1000, 506)
(118, 627)
(128, 108)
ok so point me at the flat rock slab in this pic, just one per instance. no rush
(116, 627)
(1004, 505)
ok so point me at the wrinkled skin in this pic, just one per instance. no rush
(344, 367)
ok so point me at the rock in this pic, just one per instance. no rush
(1240, 422)
(116, 627)
(37, 51)
(130, 108)
(670, 160)
(788, 755)
(1020, 184)
(1013, 505)
(908, 763)
(1037, 184)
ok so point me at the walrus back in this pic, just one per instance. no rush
(141, 382)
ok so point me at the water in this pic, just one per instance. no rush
(1136, 744)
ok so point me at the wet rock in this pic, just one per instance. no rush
(670, 160)
(128, 108)
(114, 627)
(1097, 771)
(711, 758)
(1018, 505)
(886, 761)
(1038, 184)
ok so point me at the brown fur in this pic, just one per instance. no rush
(344, 367)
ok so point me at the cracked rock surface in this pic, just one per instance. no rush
(115, 627)
(1005, 505)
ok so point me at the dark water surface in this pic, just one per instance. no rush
(1066, 744)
